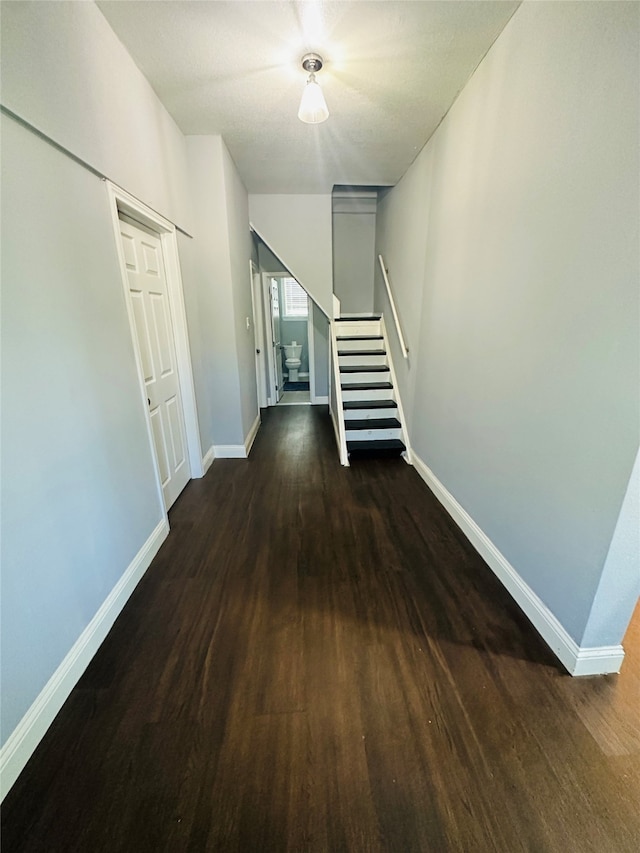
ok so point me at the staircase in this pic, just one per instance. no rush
(371, 419)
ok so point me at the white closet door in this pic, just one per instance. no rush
(150, 303)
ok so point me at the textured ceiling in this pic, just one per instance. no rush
(392, 70)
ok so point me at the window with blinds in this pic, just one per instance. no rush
(294, 298)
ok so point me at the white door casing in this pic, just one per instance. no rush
(268, 348)
(311, 351)
(271, 383)
(258, 331)
(149, 297)
(120, 201)
(276, 336)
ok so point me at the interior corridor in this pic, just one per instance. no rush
(317, 660)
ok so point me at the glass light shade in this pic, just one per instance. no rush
(313, 107)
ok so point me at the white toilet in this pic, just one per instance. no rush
(292, 362)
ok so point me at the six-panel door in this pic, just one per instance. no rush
(150, 303)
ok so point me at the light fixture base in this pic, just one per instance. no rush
(312, 62)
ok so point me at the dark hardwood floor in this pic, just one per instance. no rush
(317, 660)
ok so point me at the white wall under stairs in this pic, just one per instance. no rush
(297, 228)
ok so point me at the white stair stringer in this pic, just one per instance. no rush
(336, 397)
(370, 419)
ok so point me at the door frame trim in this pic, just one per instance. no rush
(120, 201)
(258, 333)
(271, 367)
(311, 351)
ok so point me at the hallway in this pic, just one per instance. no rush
(317, 660)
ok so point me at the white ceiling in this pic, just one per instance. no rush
(392, 70)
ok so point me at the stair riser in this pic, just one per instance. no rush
(360, 345)
(369, 414)
(349, 360)
(355, 378)
(372, 434)
(362, 328)
(368, 394)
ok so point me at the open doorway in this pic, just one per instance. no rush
(290, 353)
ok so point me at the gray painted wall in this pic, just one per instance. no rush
(220, 259)
(321, 351)
(66, 72)
(269, 262)
(200, 347)
(513, 247)
(619, 586)
(354, 241)
(239, 247)
(218, 382)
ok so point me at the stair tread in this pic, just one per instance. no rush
(359, 337)
(365, 368)
(380, 444)
(364, 386)
(359, 352)
(369, 404)
(373, 423)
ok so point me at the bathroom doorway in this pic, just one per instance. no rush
(288, 316)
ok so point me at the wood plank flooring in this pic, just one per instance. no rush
(317, 660)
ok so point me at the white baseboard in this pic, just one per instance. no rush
(251, 437)
(207, 460)
(32, 727)
(318, 401)
(598, 660)
(230, 451)
(578, 661)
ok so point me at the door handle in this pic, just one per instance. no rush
(149, 400)
(258, 351)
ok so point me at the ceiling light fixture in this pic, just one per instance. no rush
(313, 107)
